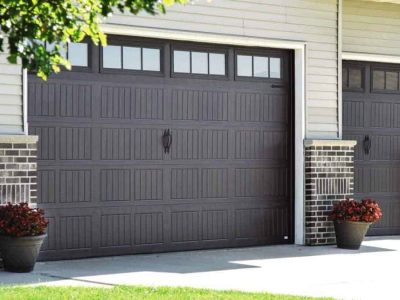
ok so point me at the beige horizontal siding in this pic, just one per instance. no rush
(371, 27)
(11, 119)
(311, 21)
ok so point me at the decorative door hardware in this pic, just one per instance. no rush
(167, 140)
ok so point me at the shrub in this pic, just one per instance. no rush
(18, 220)
(367, 210)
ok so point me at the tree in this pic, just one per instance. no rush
(30, 25)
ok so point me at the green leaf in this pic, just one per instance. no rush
(30, 24)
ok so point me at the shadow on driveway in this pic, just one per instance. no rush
(190, 262)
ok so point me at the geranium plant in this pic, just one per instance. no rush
(20, 220)
(367, 210)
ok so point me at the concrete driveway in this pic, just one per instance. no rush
(370, 273)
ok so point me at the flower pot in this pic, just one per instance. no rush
(20, 253)
(349, 235)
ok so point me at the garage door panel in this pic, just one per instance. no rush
(148, 184)
(43, 99)
(75, 143)
(261, 144)
(214, 183)
(194, 144)
(375, 179)
(354, 114)
(115, 230)
(47, 141)
(260, 182)
(46, 181)
(76, 100)
(75, 185)
(215, 225)
(148, 103)
(185, 225)
(115, 102)
(149, 228)
(199, 105)
(185, 183)
(115, 185)
(381, 114)
(260, 107)
(108, 186)
(147, 144)
(261, 223)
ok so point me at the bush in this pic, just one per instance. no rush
(367, 210)
(18, 220)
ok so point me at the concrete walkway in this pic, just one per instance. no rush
(370, 273)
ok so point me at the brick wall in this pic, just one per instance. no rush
(18, 169)
(329, 177)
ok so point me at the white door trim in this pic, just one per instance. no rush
(371, 57)
(299, 48)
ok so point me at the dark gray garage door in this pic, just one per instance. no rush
(107, 181)
(371, 115)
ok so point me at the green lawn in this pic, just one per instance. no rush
(126, 292)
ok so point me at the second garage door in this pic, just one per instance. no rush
(150, 146)
(371, 115)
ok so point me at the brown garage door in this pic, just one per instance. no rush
(371, 115)
(109, 183)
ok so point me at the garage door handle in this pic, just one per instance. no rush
(167, 140)
(367, 144)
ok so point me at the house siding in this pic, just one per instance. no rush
(11, 111)
(312, 21)
(371, 27)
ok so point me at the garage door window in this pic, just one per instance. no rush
(76, 53)
(258, 66)
(353, 78)
(385, 81)
(132, 58)
(199, 63)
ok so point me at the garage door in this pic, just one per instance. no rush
(371, 115)
(151, 146)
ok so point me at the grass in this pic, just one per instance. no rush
(133, 292)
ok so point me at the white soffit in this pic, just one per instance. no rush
(384, 1)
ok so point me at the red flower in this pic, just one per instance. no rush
(367, 210)
(21, 220)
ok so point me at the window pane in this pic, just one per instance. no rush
(132, 58)
(378, 80)
(244, 63)
(199, 63)
(112, 57)
(181, 61)
(260, 66)
(217, 64)
(275, 67)
(355, 78)
(151, 59)
(78, 54)
(63, 50)
(392, 81)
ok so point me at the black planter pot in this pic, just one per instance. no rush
(20, 253)
(349, 235)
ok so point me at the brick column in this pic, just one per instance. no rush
(329, 177)
(18, 168)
